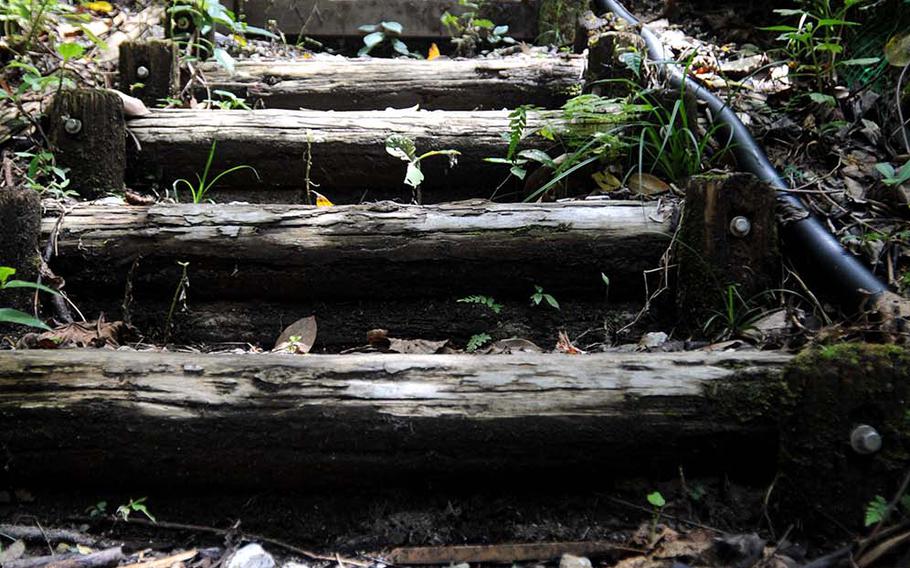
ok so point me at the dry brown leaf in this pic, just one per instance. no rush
(647, 184)
(82, 334)
(298, 337)
(513, 345)
(416, 346)
(564, 345)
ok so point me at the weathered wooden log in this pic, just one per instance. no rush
(178, 420)
(338, 83)
(383, 250)
(149, 70)
(419, 18)
(347, 150)
(88, 136)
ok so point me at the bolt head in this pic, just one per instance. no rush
(865, 439)
(72, 125)
(740, 226)
(142, 72)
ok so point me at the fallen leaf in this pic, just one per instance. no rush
(433, 53)
(298, 337)
(646, 184)
(322, 200)
(564, 345)
(96, 334)
(897, 50)
(132, 107)
(606, 181)
(378, 339)
(133, 198)
(99, 6)
(513, 345)
(12, 552)
(82, 549)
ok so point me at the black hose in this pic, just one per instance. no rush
(812, 248)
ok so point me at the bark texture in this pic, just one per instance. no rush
(20, 229)
(381, 250)
(89, 137)
(346, 149)
(363, 84)
(179, 420)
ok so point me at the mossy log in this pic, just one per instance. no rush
(149, 70)
(347, 151)
(88, 136)
(419, 18)
(383, 250)
(363, 84)
(132, 419)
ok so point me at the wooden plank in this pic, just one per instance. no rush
(349, 159)
(117, 419)
(420, 18)
(302, 253)
(327, 83)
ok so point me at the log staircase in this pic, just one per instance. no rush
(374, 260)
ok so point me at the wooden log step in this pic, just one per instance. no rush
(338, 83)
(384, 250)
(127, 419)
(419, 18)
(347, 149)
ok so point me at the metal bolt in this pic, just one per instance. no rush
(142, 72)
(740, 226)
(865, 439)
(72, 125)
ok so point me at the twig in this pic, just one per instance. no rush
(39, 534)
(900, 111)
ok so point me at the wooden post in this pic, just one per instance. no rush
(149, 70)
(728, 237)
(606, 65)
(20, 227)
(181, 26)
(88, 135)
(587, 27)
(556, 20)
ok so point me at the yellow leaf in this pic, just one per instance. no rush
(241, 41)
(99, 6)
(433, 53)
(322, 200)
(897, 50)
(83, 549)
(606, 181)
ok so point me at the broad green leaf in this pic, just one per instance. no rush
(31, 285)
(861, 61)
(224, 59)
(822, 99)
(518, 172)
(886, 169)
(498, 161)
(70, 50)
(501, 30)
(5, 273)
(373, 39)
(400, 47)
(831, 22)
(401, 147)
(538, 156)
(9, 315)
(779, 29)
(392, 27)
(656, 499)
(413, 177)
(897, 50)
(368, 28)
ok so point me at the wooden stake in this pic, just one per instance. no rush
(20, 227)
(728, 237)
(149, 70)
(606, 68)
(88, 135)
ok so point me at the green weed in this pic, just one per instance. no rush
(469, 32)
(384, 33)
(203, 185)
(404, 149)
(10, 315)
(540, 296)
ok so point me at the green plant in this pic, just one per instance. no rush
(203, 185)
(98, 510)
(44, 176)
(878, 510)
(135, 506)
(200, 18)
(486, 301)
(384, 33)
(816, 42)
(658, 502)
(10, 315)
(404, 148)
(469, 31)
(227, 101)
(892, 177)
(540, 296)
(737, 317)
(477, 341)
(515, 159)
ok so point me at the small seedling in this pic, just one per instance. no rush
(469, 32)
(539, 296)
(227, 101)
(404, 148)
(98, 510)
(134, 506)
(482, 301)
(384, 33)
(202, 187)
(606, 280)
(10, 315)
(658, 502)
(890, 176)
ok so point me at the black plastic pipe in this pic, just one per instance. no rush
(812, 248)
